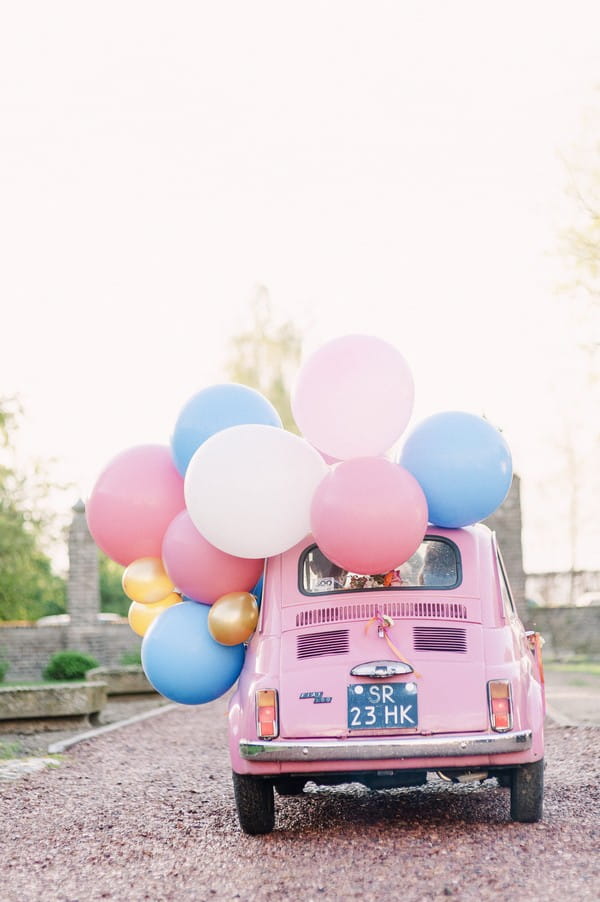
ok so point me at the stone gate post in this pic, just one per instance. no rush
(507, 524)
(83, 588)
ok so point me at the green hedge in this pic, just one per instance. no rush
(69, 665)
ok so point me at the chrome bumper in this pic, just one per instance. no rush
(456, 746)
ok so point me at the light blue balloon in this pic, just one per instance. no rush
(257, 591)
(213, 409)
(182, 660)
(462, 463)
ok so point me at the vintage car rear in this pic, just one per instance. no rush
(388, 678)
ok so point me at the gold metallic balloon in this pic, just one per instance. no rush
(232, 618)
(146, 581)
(142, 616)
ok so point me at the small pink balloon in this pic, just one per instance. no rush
(133, 501)
(369, 515)
(201, 571)
(353, 397)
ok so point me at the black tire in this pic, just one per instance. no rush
(527, 792)
(292, 786)
(255, 803)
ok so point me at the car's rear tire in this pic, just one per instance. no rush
(255, 803)
(527, 792)
(292, 786)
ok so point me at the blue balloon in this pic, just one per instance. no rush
(462, 463)
(213, 409)
(257, 591)
(182, 660)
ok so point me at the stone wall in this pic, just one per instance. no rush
(29, 648)
(506, 522)
(561, 589)
(567, 631)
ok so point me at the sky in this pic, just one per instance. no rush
(390, 168)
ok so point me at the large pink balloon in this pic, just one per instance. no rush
(201, 571)
(353, 397)
(369, 515)
(134, 500)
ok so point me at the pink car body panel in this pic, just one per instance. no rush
(483, 640)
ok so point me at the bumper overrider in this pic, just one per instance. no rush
(455, 746)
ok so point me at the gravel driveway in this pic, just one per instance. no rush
(147, 812)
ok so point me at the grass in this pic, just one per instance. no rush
(9, 750)
(575, 666)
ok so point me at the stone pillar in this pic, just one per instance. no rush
(83, 590)
(507, 524)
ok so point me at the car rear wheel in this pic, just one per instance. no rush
(255, 803)
(527, 792)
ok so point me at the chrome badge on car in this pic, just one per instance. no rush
(319, 697)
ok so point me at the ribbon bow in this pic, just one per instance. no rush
(384, 623)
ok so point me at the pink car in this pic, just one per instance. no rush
(382, 679)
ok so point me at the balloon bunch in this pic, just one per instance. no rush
(193, 604)
(192, 523)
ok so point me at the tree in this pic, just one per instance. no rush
(581, 239)
(579, 429)
(28, 587)
(580, 243)
(112, 597)
(266, 356)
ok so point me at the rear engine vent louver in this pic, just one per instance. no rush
(315, 645)
(435, 638)
(438, 610)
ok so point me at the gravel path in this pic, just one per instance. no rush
(146, 813)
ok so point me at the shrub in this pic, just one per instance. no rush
(4, 666)
(133, 657)
(69, 665)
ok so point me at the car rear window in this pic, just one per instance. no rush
(435, 565)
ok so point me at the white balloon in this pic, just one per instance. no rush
(248, 489)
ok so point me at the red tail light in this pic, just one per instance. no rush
(267, 713)
(500, 705)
